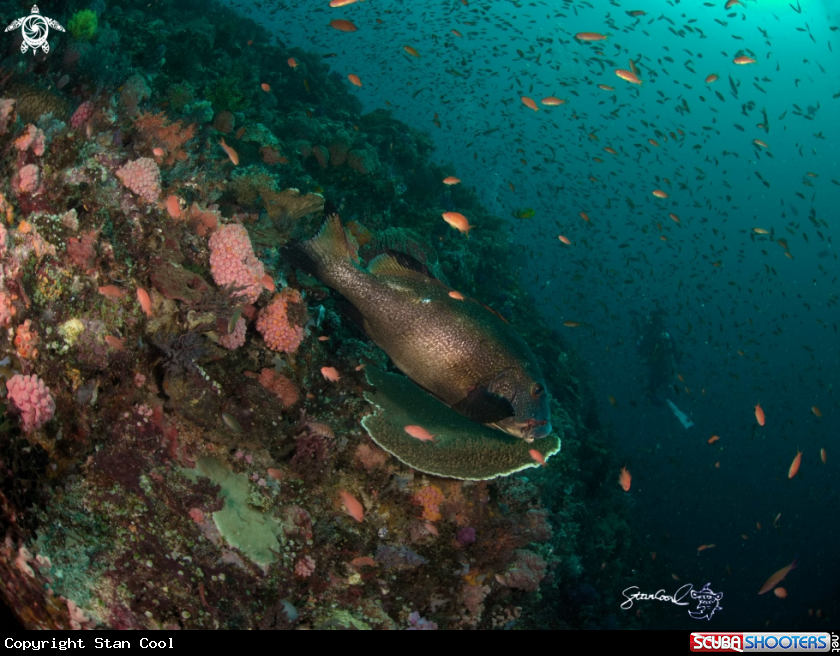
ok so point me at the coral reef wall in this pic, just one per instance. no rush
(182, 443)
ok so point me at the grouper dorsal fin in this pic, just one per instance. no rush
(395, 263)
(483, 406)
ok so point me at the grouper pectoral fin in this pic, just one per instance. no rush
(483, 407)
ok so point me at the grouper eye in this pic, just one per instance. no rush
(537, 391)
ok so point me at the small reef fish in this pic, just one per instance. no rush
(624, 479)
(363, 561)
(781, 593)
(590, 36)
(265, 87)
(823, 456)
(713, 439)
(794, 466)
(529, 103)
(331, 374)
(759, 414)
(451, 180)
(114, 342)
(628, 76)
(458, 351)
(291, 61)
(777, 578)
(112, 291)
(524, 213)
(342, 25)
(419, 433)
(145, 301)
(411, 51)
(341, 3)
(551, 101)
(355, 79)
(742, 60)
(565, 240)
(659, 193)
(234, 156)
(458, 221)
(456, 295)
(537, 457)
(352, 505)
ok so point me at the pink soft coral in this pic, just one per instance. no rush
(232, 261)
(142, 176)
(282, 333)
(32, 398)
(235, 339)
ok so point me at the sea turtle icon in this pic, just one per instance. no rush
(35, 29)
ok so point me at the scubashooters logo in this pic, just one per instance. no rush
(35, 30)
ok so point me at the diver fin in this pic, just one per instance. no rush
(482, 406)
(329, 245)
(395, 263)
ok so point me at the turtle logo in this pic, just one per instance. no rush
(35, 29)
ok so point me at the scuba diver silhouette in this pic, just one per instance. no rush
(657, 349)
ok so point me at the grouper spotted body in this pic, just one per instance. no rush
(454, 347)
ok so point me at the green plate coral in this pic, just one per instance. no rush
(461, 449)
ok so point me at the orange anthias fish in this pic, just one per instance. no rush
(713, 439)
(112, 291)
(629, 76)
(291, 61)
(590, 36)
(145, 301)
(411, 51)
(781, 593)
(794, 466)
(363, 561)
(711, 78)
(342, 25)
(529, 103)
(624, 479)
(341, 3)
(571, 324)
(451, 180)
(743, 59)
(330, 373)
(551, 101)
(419, 433)
(777, 578)
(759, 414)
(458, 296)
(823, 456)
(355, 79)
(352, 505)
(659, 193)
(234, 156)
(816, 411)
(265, 87)
(565, 240)
(537, 457)
(458, 221)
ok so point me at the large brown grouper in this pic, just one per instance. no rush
(453, 347)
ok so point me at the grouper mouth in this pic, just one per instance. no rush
(529, 430)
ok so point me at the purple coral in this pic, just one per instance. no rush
(418, 623)
(465, 536)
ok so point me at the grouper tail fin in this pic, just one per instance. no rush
(323, 252)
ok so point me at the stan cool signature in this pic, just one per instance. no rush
(707, 601)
